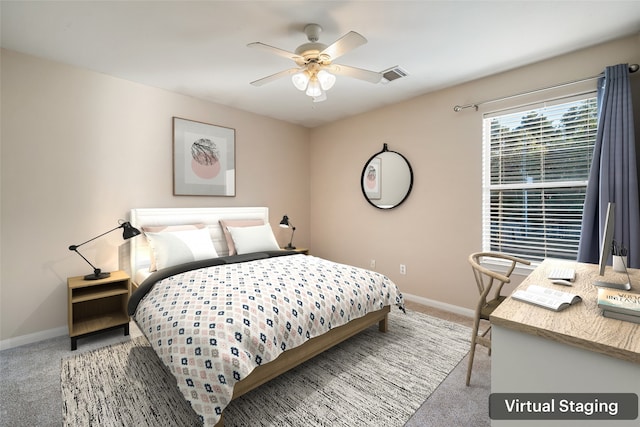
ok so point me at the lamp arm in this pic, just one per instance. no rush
(75, 247)
(96, 270)
(293, 230)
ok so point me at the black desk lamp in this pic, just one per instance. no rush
(285, 223)
(129, 231)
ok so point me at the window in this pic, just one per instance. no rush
(536, 166)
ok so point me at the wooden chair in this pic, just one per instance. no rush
(485, 279)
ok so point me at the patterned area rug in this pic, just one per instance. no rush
(371, 379)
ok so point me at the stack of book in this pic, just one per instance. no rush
(620, 305)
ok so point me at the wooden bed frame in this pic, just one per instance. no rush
(139, 259)
(295, 356)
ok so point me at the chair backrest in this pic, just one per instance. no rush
(486, 277)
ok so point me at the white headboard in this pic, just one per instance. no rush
(139, 250)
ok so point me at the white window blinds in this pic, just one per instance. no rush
(536, 166)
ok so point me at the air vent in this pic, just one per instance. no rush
(393, 73)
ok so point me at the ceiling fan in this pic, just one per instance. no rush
(316, 71)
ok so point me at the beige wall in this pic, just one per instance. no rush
(439, 225)
(80, 149)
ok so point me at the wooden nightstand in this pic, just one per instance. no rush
(304, 251)
(97, 305)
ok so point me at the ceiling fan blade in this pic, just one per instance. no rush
(356, 73)
(281, 52)
(348, 42)
(276, 76)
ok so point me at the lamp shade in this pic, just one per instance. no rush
(300, 80)
(314, 89)
(285, 222)
(129, 230)
(326, 79)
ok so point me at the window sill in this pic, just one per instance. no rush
(501, 267)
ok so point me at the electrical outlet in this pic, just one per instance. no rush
(403, 269)
(372, 263)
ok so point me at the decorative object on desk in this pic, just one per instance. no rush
(547, 298)
(203, 159)
(128, 232)
(620, 263)
(285, 223)
(619, 257)
(614, 300)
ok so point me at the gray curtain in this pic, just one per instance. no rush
(613, 176)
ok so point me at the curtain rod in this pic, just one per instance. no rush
(632, 69)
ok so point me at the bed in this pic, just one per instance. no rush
(230, 314)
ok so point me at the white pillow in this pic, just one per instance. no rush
(253, 239)
(225, 223)
(177, 247)
(164, 229)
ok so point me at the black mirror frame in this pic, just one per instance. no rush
(385, 149)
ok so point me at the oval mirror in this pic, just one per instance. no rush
(387, 179)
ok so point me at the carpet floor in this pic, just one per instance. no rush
(371, 379)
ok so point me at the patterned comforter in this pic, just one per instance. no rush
(212, 326)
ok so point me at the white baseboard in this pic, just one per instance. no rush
(439, 305)
(35, 337)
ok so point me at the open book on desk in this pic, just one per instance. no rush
(547, 298)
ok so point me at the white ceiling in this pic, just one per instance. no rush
(199, 48)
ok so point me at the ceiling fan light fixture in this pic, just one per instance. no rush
(314, 89)
(316, 73)
(300, 80)
(326, 79)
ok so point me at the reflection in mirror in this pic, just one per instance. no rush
(387, 179)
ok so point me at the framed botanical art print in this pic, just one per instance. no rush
(203, 159)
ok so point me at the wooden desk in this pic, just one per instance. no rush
(577, 350)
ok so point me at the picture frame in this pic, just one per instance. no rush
(371, 179)
(203, 159)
